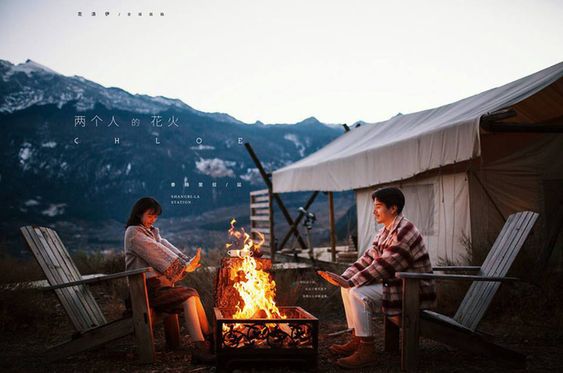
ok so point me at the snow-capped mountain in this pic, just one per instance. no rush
(47, 178)
(31, 83)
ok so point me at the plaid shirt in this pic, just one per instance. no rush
(397, 249)
(144, 247)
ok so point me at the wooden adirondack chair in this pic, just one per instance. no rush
(459, 331)
(92, 328)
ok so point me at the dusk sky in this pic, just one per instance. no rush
(283, 61)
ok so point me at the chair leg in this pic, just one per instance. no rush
(391, 335)
(410, 325)
(90, 339)
(172, 331)
(142, 319)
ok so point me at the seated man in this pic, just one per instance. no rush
(371, 281)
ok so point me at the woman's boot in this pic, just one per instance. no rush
(202, 354)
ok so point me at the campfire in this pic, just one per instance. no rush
(250, 326)
(254, 285)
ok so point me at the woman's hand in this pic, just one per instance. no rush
(194, 263)
(334, 279)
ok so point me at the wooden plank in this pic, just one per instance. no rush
(438, 276)
(259, 205)
(261, 199)
(410, 324)
(260, 224)
(485, 292)
(501, 269)
(83, 296)
(520, 220)
(479, 296)
(265, 212)
(457, 268)
(98, 279)
(467, 341)
(260, 218)
(53, 276)
(61, 254)
(259, 192)
(467, 305)
(93, 338)
(261, 230)
(438, 317)
(142, 319)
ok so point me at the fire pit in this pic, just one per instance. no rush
(292, 340)
(249, 327)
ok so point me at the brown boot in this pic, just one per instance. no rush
(363, 357)
(345, 348)
(201, 353)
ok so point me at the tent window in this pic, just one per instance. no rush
(419, 207)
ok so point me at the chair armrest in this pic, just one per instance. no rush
(436, 276)
(112, 276)
(457, 268)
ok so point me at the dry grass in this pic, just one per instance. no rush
(523, 315)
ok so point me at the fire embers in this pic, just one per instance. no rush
(274, 335)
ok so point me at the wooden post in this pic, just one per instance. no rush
(391, 335)
(142, 319)
(273, 247)
(410, 324)
(332, 227)
(172, 331)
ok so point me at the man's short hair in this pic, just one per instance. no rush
(390, 197)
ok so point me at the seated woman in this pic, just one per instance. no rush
(144, 247)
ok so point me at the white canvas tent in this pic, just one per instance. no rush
(459, 179)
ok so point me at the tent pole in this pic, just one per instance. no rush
(293, 227)
(332, 227)
(277, 198)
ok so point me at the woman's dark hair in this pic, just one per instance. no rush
(139, 208)
(390, 197)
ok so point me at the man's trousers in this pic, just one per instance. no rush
(359, 304)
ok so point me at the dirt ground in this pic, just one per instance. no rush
(21, 349)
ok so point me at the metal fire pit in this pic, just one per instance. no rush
(293, 340)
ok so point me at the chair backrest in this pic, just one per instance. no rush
(56, 263)
(498, 262)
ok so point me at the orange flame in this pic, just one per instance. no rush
(255, 287)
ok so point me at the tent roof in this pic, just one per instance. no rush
(406, 145)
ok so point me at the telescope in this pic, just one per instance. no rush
(308, 214)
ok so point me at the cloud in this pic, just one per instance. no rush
(54, 210)
(215, 167)
(202, 147)
(252, 176)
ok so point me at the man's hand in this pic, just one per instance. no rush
(194, 263)
(334, 279)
